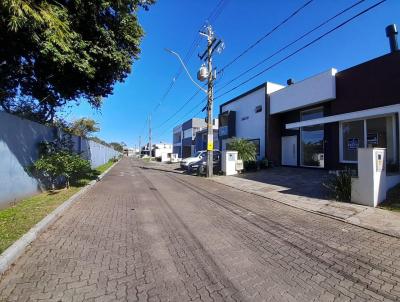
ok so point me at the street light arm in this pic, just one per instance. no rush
(187, 72)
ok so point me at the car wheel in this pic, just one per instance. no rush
(201, 170)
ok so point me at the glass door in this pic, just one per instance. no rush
(312, 140)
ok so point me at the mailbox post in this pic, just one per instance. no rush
(229, 159)
(370, 186)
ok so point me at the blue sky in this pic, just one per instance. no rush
(174, 24)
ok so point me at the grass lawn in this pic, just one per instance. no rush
(103, 168)
(392, 202)
(16, 220)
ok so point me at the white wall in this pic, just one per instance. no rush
(314, 90)
(162, 148)
(254, 126)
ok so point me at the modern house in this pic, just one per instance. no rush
(177, 140)
(184, 136)
(322, 121)
(161, 149)
(245, 117)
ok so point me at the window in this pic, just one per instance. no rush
(187, 133)
(380, 134)
(195, 130)
(177, 138)
(312, 140)
(352, 139)
(374, 132)
(258, 108)
(311, 114)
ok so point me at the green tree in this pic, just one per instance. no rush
(62, 164)
(118, 146)
(55, 52)
(246, 150)
(83, 127)
(99, 140)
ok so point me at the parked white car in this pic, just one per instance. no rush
(197, 157)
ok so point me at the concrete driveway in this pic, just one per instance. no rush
(292, 181)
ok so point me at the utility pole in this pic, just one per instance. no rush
(206, 73)
(140, 145)
(210, 101)
(150, 136)
(209, 74)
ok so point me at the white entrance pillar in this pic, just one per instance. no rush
(370, 186)
(228, 162)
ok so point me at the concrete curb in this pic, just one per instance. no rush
(10, 255)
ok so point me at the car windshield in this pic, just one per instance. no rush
(198, 153)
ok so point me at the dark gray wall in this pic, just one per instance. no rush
(19, 140)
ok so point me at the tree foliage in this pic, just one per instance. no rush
(58, 162)
(118, 146)
(99, 140)
(246, 150)
(83, 127)
(55, 52)
(62, 164)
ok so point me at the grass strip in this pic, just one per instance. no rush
(101, 169)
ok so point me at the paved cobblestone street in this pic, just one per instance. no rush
(147, 235)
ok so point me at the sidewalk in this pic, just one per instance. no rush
(379, 220)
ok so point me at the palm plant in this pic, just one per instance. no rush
(246, 150)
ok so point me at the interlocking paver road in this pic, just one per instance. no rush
(147, 235)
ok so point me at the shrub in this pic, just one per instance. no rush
(62, 164)
(250, 165)
(246, 150)
(340, 185)
(263, 164)
(114, 159)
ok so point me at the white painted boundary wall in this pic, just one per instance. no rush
(19, 140)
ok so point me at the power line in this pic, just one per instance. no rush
(261, 61)
(212, 17)
(302, 48)
(298, 50)
(184, 116)
(204, 99)
(179, 110)
(267, 34)
(292, 43)
(215, 13)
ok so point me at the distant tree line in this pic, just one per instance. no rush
(86, 127)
